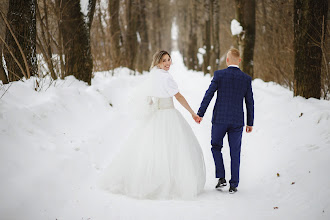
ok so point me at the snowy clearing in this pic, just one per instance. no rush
(55, 144)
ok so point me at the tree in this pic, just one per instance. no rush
(130, 42)
(246, 14)
(310, 17)
(160, 24)
(115, 33)
(137, 29)
(44, 38)
(199, 26)
(4, 10)
(76, 39)
(100, 38)
(273, 52)
(192, 50)
(207, 38)
(215, 38)
(211, 37)
(20, 47)
(143, 63)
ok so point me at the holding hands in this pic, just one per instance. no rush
(248, 129)
(197, 118)
(185, 104)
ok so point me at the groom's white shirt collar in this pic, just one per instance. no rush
(233, 66)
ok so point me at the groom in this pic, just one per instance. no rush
(232, 86)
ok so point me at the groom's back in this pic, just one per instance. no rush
(233, 85)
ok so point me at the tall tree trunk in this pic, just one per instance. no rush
(207, 47)
(130, 34)
(246, 14)
(44, 38)
(90, 15)
(77, 50)
(104, 43)
(115, 33)
(192, 60)
(215, 40)
(142, 27)
(22, 20)
(309, 16)
(59, 12)
(4, 9)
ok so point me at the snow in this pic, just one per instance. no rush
(200, 58)
(201, 50)
(56, 142)
(235, 27)
(174, 31)
(84, 6)
(138, 37)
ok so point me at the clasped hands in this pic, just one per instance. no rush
(197, 118)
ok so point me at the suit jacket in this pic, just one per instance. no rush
(232, 86)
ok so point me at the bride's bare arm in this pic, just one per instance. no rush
(185, 104)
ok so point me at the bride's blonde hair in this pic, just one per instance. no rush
(157, 57)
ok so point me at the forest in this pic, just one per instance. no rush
(284, 41)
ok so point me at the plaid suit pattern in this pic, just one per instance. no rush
(232, 87)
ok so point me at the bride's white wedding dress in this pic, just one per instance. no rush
(162, 158)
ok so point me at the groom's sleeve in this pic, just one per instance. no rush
(249, 102)
(208, 96)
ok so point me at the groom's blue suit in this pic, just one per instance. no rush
(232, 86)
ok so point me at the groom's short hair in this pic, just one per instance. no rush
(234, 53)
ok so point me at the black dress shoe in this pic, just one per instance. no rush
(232, 190)
(221, 183)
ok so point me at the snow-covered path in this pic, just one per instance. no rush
(55, 143)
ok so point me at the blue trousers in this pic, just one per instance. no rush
(234, 133)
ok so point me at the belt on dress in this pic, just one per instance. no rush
(163, 103)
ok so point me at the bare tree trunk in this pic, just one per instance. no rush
(155, 17)
(115, 33)
(215, 40)
(130, 34)
(245, 12)
(44, 40)
(308, 19)
(22, 21)
(90, 14)
(207, 46)
(192, 60)
(77, 50)
(104, 43)
(4, 9)
(59, 12)
(142, 27)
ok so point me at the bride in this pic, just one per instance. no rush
(162, 158)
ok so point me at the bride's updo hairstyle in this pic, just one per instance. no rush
(157, 57)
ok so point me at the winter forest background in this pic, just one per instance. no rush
(281, 41)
